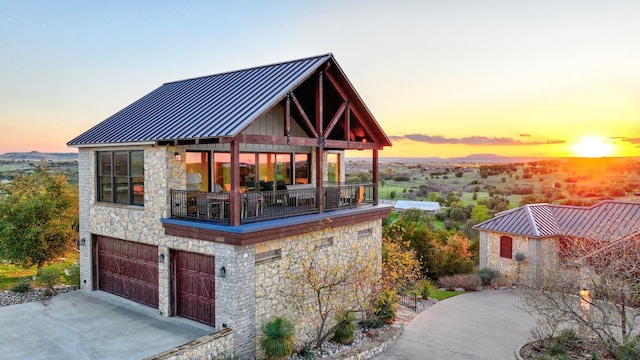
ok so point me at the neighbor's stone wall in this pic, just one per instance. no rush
(507, 267)
(276, 286)
(541, 257)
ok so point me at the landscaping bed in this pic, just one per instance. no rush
(8, 297)
(583, 349)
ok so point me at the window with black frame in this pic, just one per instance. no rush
(120, 177)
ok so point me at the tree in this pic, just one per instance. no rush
(595, 287)
(450, 257)
(38, 218)
(326, 288)
(400, 267)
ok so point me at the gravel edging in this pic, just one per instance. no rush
(8, 298)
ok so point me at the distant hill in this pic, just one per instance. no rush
(469, 159)
(38, 156)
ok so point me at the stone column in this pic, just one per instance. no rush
(236, 294)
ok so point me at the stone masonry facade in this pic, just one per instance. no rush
(251, 293)
(276, 291)
(541, 257)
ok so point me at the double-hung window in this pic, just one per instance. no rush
(121, 177)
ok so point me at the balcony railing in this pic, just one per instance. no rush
(267, 205)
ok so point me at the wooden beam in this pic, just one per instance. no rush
(347, 124)
(350, 145)
(287, 117)
(304, 115)
(335, 119)
(320, 177)
(319, 104)
(345, 96)
(234, 200)
(374, 177)
(276, 140)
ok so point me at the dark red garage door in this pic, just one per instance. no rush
(194, 286)
(128, 269)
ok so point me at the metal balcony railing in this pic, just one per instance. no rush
(267, 205)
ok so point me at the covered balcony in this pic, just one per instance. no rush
(263, 205)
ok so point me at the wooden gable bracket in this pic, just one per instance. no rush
(336, 117)
(304, 115)
(355, 112)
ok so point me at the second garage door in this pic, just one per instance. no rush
(194, 286)
(128, 269)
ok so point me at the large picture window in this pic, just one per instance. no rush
(121, 177)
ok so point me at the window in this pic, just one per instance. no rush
(121, 177)
(365, 232)
(197, 170)
(506, 247)
(301, 166)
(333, 168)
(268, 255)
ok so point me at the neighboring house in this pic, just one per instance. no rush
(539, 231)
(432, 207)
(197, 198)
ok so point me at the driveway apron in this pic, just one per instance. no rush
(90, 325)
(484, 325)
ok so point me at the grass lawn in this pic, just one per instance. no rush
(11, 274)
(444, 294)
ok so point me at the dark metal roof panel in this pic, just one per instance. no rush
(204, 107)
(516, 221)
(543, 220)
(606, 221)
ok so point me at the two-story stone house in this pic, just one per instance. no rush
(195, 198)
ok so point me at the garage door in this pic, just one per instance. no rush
(128, 269)
(194, 287)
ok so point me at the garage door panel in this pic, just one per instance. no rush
(195, 286)
(127, 269)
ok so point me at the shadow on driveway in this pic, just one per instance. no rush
(90, 325)
(484, 325)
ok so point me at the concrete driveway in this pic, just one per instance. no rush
(90, 325)
(477, 325)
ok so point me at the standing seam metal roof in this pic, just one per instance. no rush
(608, 220)
(204, 107)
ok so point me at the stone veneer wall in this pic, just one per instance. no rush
(541, 257)
(132, 223)
(274, 295)
(218, 345)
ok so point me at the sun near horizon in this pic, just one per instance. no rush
(592, 147)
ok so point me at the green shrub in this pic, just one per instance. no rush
(468, 282)
(426, 288)
(346, 329)
(74, 275)
(629, 349)
(23, 286)
(563, 342)
(385, 306)
(278, 340)
(48, 277)
(487, 274)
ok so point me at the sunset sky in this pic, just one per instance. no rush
(443, 78)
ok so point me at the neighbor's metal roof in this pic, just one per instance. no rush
(420, 205)
(205, 107)
(608, 220)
